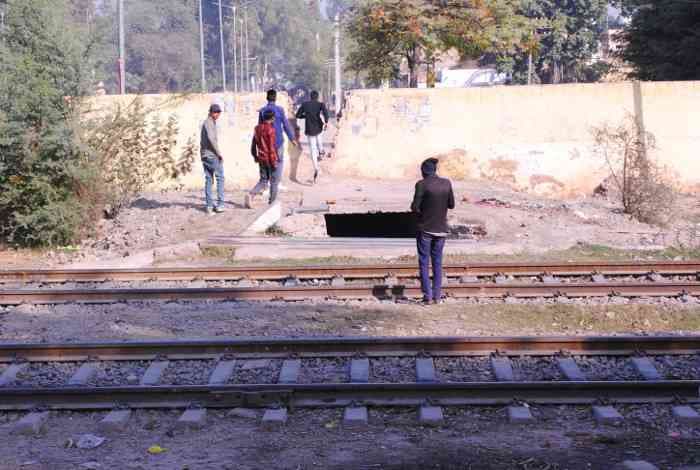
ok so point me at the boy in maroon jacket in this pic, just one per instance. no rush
(264, 151)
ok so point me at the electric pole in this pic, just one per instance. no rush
(121, 64)
(235, 55)
(221, 39)
(242, 59)
(247, 52)
(201, 48)
(338, 90)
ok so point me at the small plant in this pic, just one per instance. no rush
(645, 187)
(276, 231)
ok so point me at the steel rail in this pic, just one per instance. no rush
(475, 290)
(350, 347)
(345, 394)
(348, 271)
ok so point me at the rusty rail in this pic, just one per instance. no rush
(350, 347)
(475, 290)
(347, 271)
(345, 394)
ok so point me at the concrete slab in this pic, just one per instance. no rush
(274, 418)
(192, 419)
(9, 375)
(255, 364)
(355, 417)
(83, 375)
(636, 465)
(468, 280)
(154, 372)
(222, 372)
(290, 371)
(606, 415)
(430, 415)
(267, 219)
(31, 424)
(570, 369)
(646, 368)
(247, 413)
(686, 414)
(359, 370)
(338, 281)
(115, 421)
(502, 369)
(425, 370)
(520, 415)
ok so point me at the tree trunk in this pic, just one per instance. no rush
(413, 67)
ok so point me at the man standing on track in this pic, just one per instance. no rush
(315, 115)
(432, 199)
(281, 127)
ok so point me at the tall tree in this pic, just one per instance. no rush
(663, 39)
(566, 36)
(42, 70)
(389, 32)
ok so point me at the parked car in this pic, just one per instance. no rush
(460, 78)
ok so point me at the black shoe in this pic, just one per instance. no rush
(426, 302)
(315, 176)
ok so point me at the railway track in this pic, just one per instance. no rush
(351, 372)
(346, 271)
(382, 292)
(389, 282)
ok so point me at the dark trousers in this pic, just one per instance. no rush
(430, 250)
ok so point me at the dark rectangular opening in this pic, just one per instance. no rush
(372, 225)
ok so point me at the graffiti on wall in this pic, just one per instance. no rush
(415, 112)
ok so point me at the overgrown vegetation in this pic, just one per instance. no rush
(132, 148)
(662, 40)
(58, 174)
(645, 187)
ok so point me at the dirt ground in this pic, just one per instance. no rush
(473, 438)
(172, 224)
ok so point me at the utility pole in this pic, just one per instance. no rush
(247, 52)
(121, 63)
(235, 55)
(201, 48)
(242, 60)
(338, 90)
(221, 39)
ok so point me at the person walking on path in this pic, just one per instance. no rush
(212, 161)
(282, 127)
(264, 151)
(315, 115)
(432, 198)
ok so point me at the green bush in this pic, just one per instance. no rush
(59, 169)
(41, 166)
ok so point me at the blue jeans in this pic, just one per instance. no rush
(213, 168)
(430, 249)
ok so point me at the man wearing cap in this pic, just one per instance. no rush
(212, 161)
(432, 199)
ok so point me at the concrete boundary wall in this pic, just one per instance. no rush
(236, 126)
(536, 138)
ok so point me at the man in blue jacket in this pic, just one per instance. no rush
(281, 127)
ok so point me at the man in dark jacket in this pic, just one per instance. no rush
(315, 115)
(212, 160)
(432, 199)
